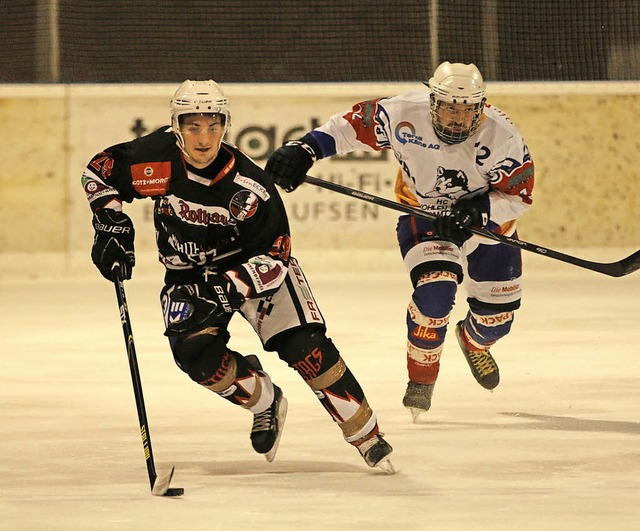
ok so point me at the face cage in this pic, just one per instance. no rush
(454, 137)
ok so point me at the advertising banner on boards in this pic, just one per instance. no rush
(262, 119)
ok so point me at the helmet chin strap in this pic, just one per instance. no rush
(181, 146)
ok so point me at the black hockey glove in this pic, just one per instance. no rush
(448, 229)
(113, 243)
(197, 306)
(289, 164)
(465, 213)
(472, 212)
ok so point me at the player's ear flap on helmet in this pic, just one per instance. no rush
(199, 97)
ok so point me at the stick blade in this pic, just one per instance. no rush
(630, 264)
(161, 486)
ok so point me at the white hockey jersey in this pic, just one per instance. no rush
(434, 175)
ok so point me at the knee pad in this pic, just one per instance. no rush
(204, 356)
(430, 307)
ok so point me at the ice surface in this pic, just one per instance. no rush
(555, 446)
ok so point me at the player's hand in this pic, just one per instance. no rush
(447, 228)
(197, 306)
(472, 212)
(466, 213)
(289, 164)
(113, 243)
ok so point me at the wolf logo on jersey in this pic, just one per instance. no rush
(449, 184)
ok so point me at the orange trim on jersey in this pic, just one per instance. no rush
(223, 172)
(506, 229)
(228, 166)
(403, 194)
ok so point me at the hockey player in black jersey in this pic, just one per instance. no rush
(223, 236)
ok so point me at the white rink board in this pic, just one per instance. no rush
(583, 138)
(573, 165)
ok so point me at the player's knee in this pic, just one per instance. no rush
(434, 293)
(202, 355)
(430, 307)
(313, 355)
(436, 270)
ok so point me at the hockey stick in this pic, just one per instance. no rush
(159, 485)
(614, 269)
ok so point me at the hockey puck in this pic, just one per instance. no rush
(178, 491)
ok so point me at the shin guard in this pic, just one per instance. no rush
(427, 320)
(315, 358)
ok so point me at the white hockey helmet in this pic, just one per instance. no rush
(198, 97)
(457, 83)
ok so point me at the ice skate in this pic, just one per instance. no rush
(417, 399)
(376, 452)
(268, 425)
(483, 367)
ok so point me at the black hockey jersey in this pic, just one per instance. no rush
(228, 218)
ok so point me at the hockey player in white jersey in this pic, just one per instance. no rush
(465, 161)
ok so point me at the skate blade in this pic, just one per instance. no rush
(490, 389)
(386, 466)
(282, 415)
(419, 416)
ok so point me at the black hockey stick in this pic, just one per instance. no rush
(159, 485)
(614, 269)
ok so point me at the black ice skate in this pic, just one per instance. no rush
(417, 399)
(376, 452)
(483, 367)
(268, 425)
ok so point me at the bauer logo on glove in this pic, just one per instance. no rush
(113, 244)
